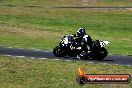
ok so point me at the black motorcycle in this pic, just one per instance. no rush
(69, 47)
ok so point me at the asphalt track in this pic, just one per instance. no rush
(111, 59)
(93, 7)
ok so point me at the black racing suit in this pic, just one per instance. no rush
(85, 42)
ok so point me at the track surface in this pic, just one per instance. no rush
(92, 7)
(111, 59)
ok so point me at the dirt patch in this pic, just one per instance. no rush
(78, 0)
(55, 0)
(29, 32)
(88, 0)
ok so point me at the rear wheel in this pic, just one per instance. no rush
(58, 51)
(100, 55)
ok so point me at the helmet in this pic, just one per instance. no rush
(81, 32)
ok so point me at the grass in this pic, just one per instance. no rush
(36, 27)
(25, 27)
(37, 73)
(69, 2)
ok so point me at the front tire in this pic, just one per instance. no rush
(58, 51)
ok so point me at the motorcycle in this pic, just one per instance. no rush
(69, 47)
(97, 51)
(66, 47)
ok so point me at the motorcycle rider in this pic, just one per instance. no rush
(81, 46)
(83, 40)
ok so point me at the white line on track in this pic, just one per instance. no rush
(31, 49)
(68, 60)
(21, 56)
(43, 58)
(128, 65)
(31, 57)
(54, 59)
(9, 47)
(7, 55)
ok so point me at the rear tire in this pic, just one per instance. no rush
(100, 55)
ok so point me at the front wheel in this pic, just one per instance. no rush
(58, 51)
(100, 55)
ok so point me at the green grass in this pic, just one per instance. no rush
(35, 27)
(27, 28)
(37, 73)
(70, 2)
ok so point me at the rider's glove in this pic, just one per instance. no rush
(73, 35)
